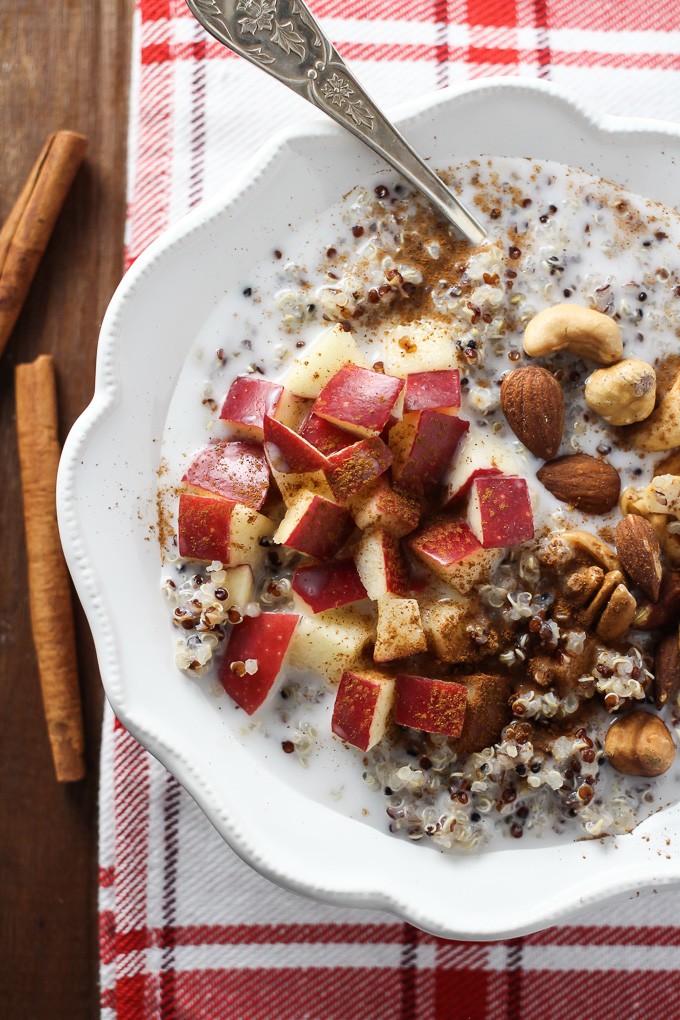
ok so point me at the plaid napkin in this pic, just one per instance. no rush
(187, 930)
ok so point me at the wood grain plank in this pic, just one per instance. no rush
(63, 65)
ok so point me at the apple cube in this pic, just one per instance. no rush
(315, 526)
(288, 451)
(452, 552)
(331, 642)
(325, 437)
(349, 470)
(380, 564)
(399, 631)
(328, 585)
(423, 444)
(487, 712)
(362, 708)
(254, 657)
(210, 529)
(239, 583)
(478, 455)
(358, 399)
(291, 410)
(235, 470)
(312, 368)
(422, 346)
(439, 390)
(435, 706)
(499, 511)
(446, 627)
(290, 484)
(248, 400)
(378, 505)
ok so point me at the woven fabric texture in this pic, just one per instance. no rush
(187, 930)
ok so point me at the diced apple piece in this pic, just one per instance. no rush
(239, 584)
(358, 400)
(446, 626)
(439, 390)
(380, 564)
(324, 436)
(435, 706)
(423, 444)
(487, 712)
(235, 470)
(286, 451)
(210, 528)
(499, 511)
(248, 400)
(362, 707)
(254, 657)
(379, 506)
(453, 553)
(331, 642)
(311, 369)
(423, 346)
(292, 410)
(400, 630)
(290, 484)
(478, 455)
(349, 470)
(328, 585)
(315, 526)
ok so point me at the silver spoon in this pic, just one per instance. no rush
(282, 38)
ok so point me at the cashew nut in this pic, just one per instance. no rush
(661, 431)
(585, 332)
(592, 546)
(623, 393)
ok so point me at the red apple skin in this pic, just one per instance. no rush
(435, 706)
(265, 638)
(379, 558)
(458, 496)
(439, 389)
(249, 399)
(434, 443)
(358, 399)
(203, 527)
(233, 469)
(446, 542)
(288, 452)
(325, 437)
(322, 531)
(355, 706)
(328, 585)
(506, 518)
(349, 470)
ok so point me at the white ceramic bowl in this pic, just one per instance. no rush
(107, 504)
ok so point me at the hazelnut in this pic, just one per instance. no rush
(624, 393)
(661, 431)
(583, 331)
(639, 744)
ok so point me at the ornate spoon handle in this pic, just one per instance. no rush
(282, 38)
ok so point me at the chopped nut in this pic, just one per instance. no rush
(603, 601)
(639, 744)
(661, 431)
(624, 393)
(592, 547)
(667, 670)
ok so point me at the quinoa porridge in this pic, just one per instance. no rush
(420, 509)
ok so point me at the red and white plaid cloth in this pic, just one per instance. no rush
(187, 930)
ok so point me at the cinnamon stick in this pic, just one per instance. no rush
(49, 593)
(25, 234)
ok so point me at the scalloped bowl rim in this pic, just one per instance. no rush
(381, 893)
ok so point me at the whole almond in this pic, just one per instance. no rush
(667, 670)
(640, 553)
(533, 406)
(654, 615)
(587, 483)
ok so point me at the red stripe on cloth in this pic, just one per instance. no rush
(107, 877)
(492, 12)
(583, 993)
(461, 981)
(613, 16)
(293, 994)
(154, 10)
(108, 947)
(157, 53)
(606, 935)
(492, 55)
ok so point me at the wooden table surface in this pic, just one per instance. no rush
(62, 65)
